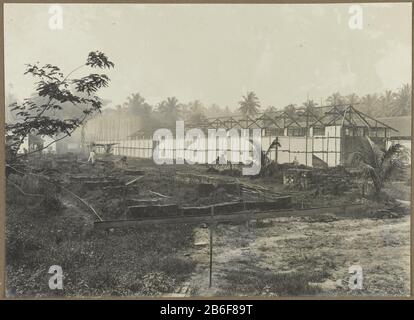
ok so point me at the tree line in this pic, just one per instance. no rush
(167, 112)
(60, 104)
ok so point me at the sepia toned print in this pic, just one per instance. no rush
(208, 150)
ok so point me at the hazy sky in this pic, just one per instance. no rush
(215, 53)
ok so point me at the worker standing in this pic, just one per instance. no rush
(91, 158)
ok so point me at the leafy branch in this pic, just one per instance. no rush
(56, 90)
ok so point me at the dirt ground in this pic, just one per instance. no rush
(286, 256)
(309, 257)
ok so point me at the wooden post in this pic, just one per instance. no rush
(336, 138)
(247, 222)
(289, 147)
(211, 246)
(313, 145)
(327, 151)
(306, 137)
(276, 150)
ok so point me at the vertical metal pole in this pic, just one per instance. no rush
(211, 246)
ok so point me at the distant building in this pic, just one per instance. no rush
(32, 143)
(69, 145)
(319, 136)
(403, 137)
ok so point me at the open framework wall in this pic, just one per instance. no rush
(301, 149)
(304, 149)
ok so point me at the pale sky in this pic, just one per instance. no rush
(215, 53)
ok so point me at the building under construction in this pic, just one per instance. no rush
(317, 136)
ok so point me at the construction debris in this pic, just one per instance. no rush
(133, 180)
(159, 194)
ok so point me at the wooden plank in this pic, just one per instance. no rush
(134, 180)
(240, 216)
(211, 227)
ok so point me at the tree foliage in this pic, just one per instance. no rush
(249, 105)
(169, 111)
(387, 104)
(40, 114)
(379, 165)
(149, 117)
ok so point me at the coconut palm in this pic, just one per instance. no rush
(195, 112)
(309, 104)
(402, 101)
(266, 162)
(378, 165)
(196, 107)
(335, 99)
(352, 99)
(227, 112)
(271, 109)
(275, 144)
(290, 109)
(309, 107)
(250, 104)
(213, 110)
(170, 110)
(387, 102)
(137, 106)
(369, 103)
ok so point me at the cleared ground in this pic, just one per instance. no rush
(298, 256)
(278, 257)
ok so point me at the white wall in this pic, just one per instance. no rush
(52, 147)
(46, 141)
(24, 145)
(326, 147)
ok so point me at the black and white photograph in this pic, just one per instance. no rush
(188, 150)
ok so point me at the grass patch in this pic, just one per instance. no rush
(94, 263)
(255, 281)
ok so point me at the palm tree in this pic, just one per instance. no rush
(270, 109)
(290, 109)
(309, 106)
(137, 106)
(387, 102)
(214, 110)
(275, 144)
(378, 165)
(266, 162)
(352, 99)
(335, 99)
(197, 118)
(196, 107)
(170, 108)
(310, 110)
(139, 111)
(369, 103)
(195, 112)
(250, 104)
(403, 101)
(227, 112)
